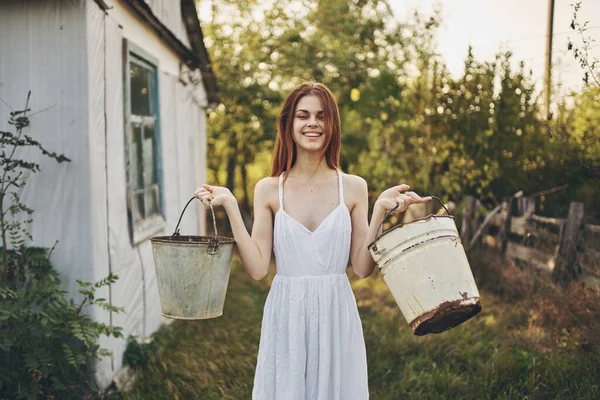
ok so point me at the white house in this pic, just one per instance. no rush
(124, 85)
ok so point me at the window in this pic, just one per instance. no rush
(142, 145)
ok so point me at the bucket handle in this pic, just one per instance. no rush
(213, 247)
(385, 217)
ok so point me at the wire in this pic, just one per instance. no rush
(545, 36)
(479, 45)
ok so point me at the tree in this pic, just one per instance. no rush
(354, 47)
(404, 118)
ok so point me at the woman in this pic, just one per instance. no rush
(314, 217)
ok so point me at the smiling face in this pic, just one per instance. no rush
(309, 121)
(309, 124)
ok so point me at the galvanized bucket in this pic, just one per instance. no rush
(192, 272)
(426, 269)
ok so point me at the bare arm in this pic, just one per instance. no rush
(255, 251)
(363, 233)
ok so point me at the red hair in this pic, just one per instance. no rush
(284, 154)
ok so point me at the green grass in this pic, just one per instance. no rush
(531, 341)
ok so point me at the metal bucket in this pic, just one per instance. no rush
(426, 269)
(192, 272)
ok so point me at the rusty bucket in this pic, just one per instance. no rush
(192, 272)
(424, 265)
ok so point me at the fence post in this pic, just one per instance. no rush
(505, 233)
(525, 206)
(565, 268)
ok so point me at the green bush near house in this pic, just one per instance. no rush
(46, 340)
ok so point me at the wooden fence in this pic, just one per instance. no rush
(557, 245)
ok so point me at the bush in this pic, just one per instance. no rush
(47, 341)
(137, 354)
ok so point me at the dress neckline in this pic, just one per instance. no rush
(322, 223)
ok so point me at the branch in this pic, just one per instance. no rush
(42, 110)
(13, 182)
(484, 224)
(78, 309)
(52, 250)
(19, 131)
(583, 59)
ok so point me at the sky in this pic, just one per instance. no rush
(490, 26)
(516, 25)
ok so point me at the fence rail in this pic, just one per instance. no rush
(555, 245)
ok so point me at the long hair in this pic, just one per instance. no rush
(284, 154)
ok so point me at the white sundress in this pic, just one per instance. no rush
(312, 345)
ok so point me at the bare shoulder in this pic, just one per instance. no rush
(267, 184)
(266, 192)
(355, 184)
(355, 190)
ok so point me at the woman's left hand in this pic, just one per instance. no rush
(398, 196)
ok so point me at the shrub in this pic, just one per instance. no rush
(46, 341)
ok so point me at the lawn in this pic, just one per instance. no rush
(532, 340)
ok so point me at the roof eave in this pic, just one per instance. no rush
(197, 57)
(192, 25)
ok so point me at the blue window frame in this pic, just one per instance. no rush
(145, 202)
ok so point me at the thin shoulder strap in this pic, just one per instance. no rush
(340, 186)
(281, 191)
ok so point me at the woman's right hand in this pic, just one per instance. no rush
(217, 195)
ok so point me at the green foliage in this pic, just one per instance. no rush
(258, 60)
(137, 354)
(47, 341)
(404, 118)
(572, 154)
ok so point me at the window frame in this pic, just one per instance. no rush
(155, 223)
